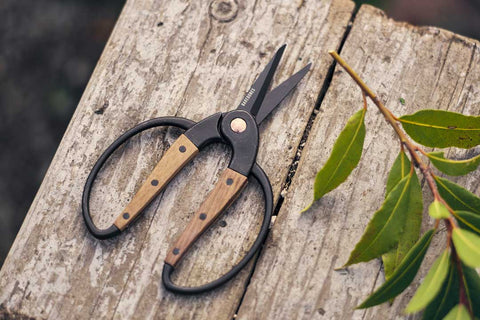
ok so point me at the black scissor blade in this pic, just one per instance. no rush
(273, 98)
(254, 97)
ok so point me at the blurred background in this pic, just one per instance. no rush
(48, 50)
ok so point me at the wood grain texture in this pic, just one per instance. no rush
(295, 277)
(182, 58)
(227, 189)
(175, 158)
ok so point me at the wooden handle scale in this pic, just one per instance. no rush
(174, 159)
(229, 186)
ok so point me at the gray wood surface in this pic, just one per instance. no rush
(295, 277)
(183, 58)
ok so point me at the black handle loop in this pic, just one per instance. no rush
(112, 231)
(262, 178)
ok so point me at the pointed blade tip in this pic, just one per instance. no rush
(304, 70)
(262, 83)
(281, 50)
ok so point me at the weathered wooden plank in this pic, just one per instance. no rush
(184, 58)
(295, 277)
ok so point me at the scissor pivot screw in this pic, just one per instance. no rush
(238, 125)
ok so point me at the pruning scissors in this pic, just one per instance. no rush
(239, 130)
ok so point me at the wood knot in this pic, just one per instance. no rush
(224, 10)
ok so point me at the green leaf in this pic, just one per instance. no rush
(457, 197)
(346, 153)
(453, 167)
(446, 299)
(402, 101)
(442, 129)
(467, 245)
(384, 229)
(471, 280)
(468, 220)
(438, 210)
(400, 169)
(404, 274)
(431, 285)
(459, 312)
(411, 231)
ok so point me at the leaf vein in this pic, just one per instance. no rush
(436, 126)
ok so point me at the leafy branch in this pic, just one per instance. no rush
(451, 288)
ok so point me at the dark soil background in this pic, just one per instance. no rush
(48, 50)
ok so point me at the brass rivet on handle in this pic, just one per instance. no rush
(238, 125)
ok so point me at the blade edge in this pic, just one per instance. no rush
(277, 95)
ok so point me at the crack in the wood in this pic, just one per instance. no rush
(294, 164)
(441, 68)
(254, 7)
(373, 288)
(249, 278)
(472, 56)
(328, 79)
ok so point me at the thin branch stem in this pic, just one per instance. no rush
(364, 100)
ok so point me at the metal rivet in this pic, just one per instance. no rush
(238, 125)
(126, 216)
(182, 149)
(203, 216)
(176, 251)
(154, 182)
(229, 181)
